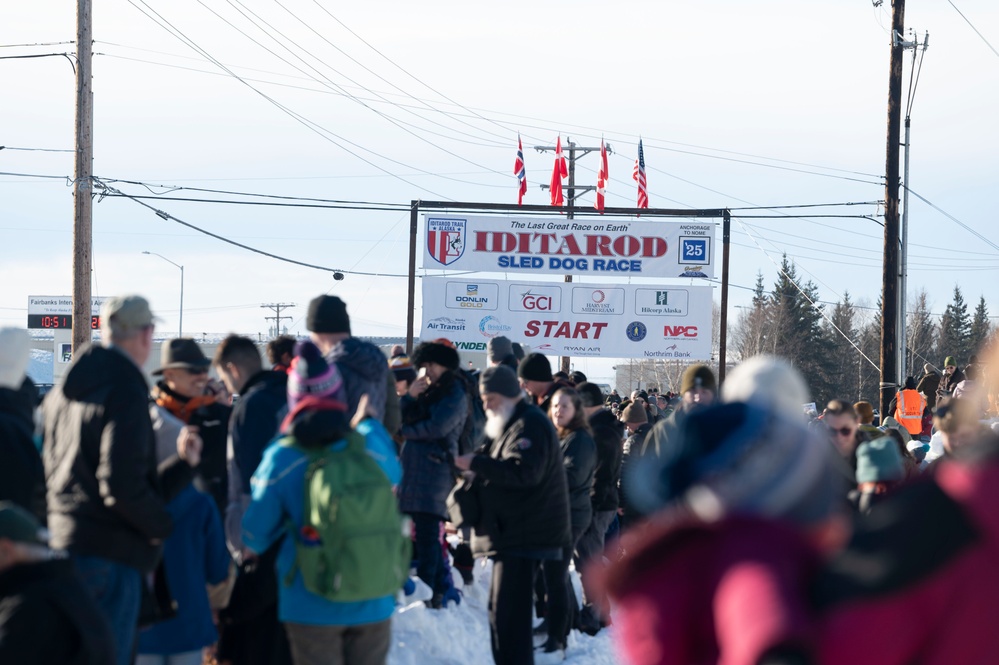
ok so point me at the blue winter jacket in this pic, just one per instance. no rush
(278, 493)
(194, 555)
(432, 425)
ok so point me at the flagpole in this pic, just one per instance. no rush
(569, 215)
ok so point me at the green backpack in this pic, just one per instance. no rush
(351, 545)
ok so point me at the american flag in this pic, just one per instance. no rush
(601, 178)
(520, 171)
(639, 176)
(561, 170)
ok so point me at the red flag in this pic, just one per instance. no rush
(639, 176)
(560, 171)
(601, 178)
(520, 170)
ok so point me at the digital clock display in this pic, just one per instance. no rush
(57, 321)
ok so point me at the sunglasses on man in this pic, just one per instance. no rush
(842, 431)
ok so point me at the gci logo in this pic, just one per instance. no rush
(680, 331)
(532, 301)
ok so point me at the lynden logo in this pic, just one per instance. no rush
(446, 324)
(470, 346)
(679, 331)
(445, 240)
(598, 296)
(490, 326)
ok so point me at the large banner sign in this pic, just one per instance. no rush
(555, 245)
(571, 318)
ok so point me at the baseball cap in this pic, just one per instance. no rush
(127, 313)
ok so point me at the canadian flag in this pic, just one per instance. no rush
(560, 171)
(601, 178)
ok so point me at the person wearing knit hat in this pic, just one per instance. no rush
(361, 364)
(952, 375)
(535, 373)
(767, 381)
(317, 429)
(742, 490)
(403, 372)
(499, 349)
(698, 385)
(518, 351)
(637, 429)
(434, 412)
(312, 378)
(880, 468)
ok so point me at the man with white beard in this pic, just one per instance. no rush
(524, 500)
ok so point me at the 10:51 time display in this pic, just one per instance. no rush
(57, 321)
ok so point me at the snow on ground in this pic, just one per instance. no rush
(460, 635)
(40, 366)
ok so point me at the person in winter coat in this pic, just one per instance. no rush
(46, 615)
(320, 630)
(608, 436)
(928, 384)
(637, 427)
(194, 557)
(250, 633)
(535, 373)
(361, 364)
(106, 495)
(434, 412)
(579, 456)
(22, 477)
(721, 573)
(936, 604)
(952, 376)
(181, 399)
(524, 499)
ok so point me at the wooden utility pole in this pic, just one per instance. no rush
(565, 360)
(83, 183)
(890, 271)
(276, 307)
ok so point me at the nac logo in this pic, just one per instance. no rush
(670, 332)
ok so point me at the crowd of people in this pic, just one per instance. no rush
(278, 513)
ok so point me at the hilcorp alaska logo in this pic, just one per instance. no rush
(490, 326)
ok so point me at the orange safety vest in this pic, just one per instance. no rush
(909, 410)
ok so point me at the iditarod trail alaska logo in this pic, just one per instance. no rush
(446, 240)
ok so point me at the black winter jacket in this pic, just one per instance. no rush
(523, 488)
(106, 497)
(608, 434)
(579, 456)
(22, 477)
(47, 616)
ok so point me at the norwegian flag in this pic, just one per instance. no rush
(639, 176)
(560, 171)
(601, 178)
(520, 171)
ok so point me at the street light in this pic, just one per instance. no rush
(180, 326)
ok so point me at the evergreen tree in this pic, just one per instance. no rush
(843, 371)
(980, 326)
(870, 344)
(955, 330)
(796, 329)
(920, 334)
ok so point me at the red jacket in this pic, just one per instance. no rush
(919, 581)
(691, 593)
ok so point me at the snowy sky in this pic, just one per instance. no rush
(720, 91)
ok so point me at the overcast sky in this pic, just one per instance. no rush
(769, 103)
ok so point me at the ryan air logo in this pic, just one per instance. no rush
(636, 331)
(446, 240)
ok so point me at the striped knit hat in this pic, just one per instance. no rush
(311, 375)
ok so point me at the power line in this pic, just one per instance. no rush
(10, 147)
(37, 44)
(954, 219)
(313, 126)
(966, 20)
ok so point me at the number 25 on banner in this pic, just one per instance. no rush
(693, 250)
